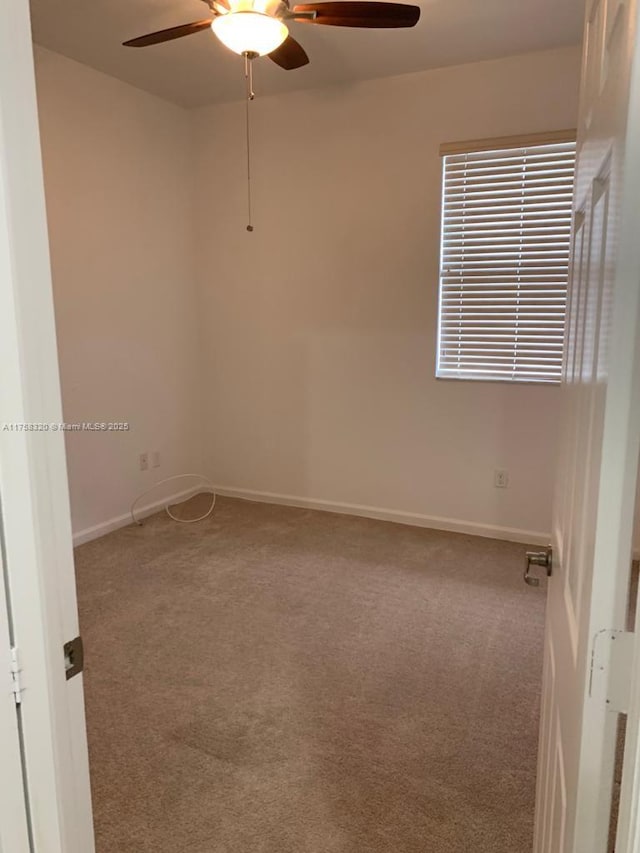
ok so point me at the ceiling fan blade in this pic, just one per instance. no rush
(168, 35)
(345, 13)
(289, 55)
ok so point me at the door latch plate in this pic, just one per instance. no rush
(611, 668)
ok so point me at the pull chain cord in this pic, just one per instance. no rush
(248, 73)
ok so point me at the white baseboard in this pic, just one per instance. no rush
(119, 521)
(454, 525)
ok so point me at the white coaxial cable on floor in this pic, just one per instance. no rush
(167, 507)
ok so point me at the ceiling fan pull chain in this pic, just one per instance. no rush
(248, 73)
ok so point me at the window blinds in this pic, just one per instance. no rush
(506, 228)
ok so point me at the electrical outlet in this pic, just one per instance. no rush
(144, 461)
(155, 459)
(501, 478)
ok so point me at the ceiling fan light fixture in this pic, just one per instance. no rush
(249, 32)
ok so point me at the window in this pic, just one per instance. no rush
(506, 228)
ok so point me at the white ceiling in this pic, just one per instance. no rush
(198, 70)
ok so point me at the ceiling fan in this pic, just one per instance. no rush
(255, 28)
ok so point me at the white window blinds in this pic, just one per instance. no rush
(506, 227)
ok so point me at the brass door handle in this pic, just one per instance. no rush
(537, 558)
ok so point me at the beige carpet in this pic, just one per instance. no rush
(276, 680)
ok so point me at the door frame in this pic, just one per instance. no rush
(14, 824)
(37, 538)
(628, 831)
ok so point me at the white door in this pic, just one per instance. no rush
(37, 551)
(586, 646)
(14, 832)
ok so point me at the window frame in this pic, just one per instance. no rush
(477, 146)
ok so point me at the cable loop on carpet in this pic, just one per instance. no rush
(168, 505)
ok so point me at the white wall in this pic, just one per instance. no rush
(118, 185)
(319, 329)
(315, 374)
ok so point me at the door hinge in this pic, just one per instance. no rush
(16, 687)
(611, 667)
(73, 657)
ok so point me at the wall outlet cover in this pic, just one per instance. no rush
(501, 478)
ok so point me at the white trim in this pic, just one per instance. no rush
(14, 832)
(33, 474)
(414, 519)
(454, 525)
(628, 834)
(118, 521)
